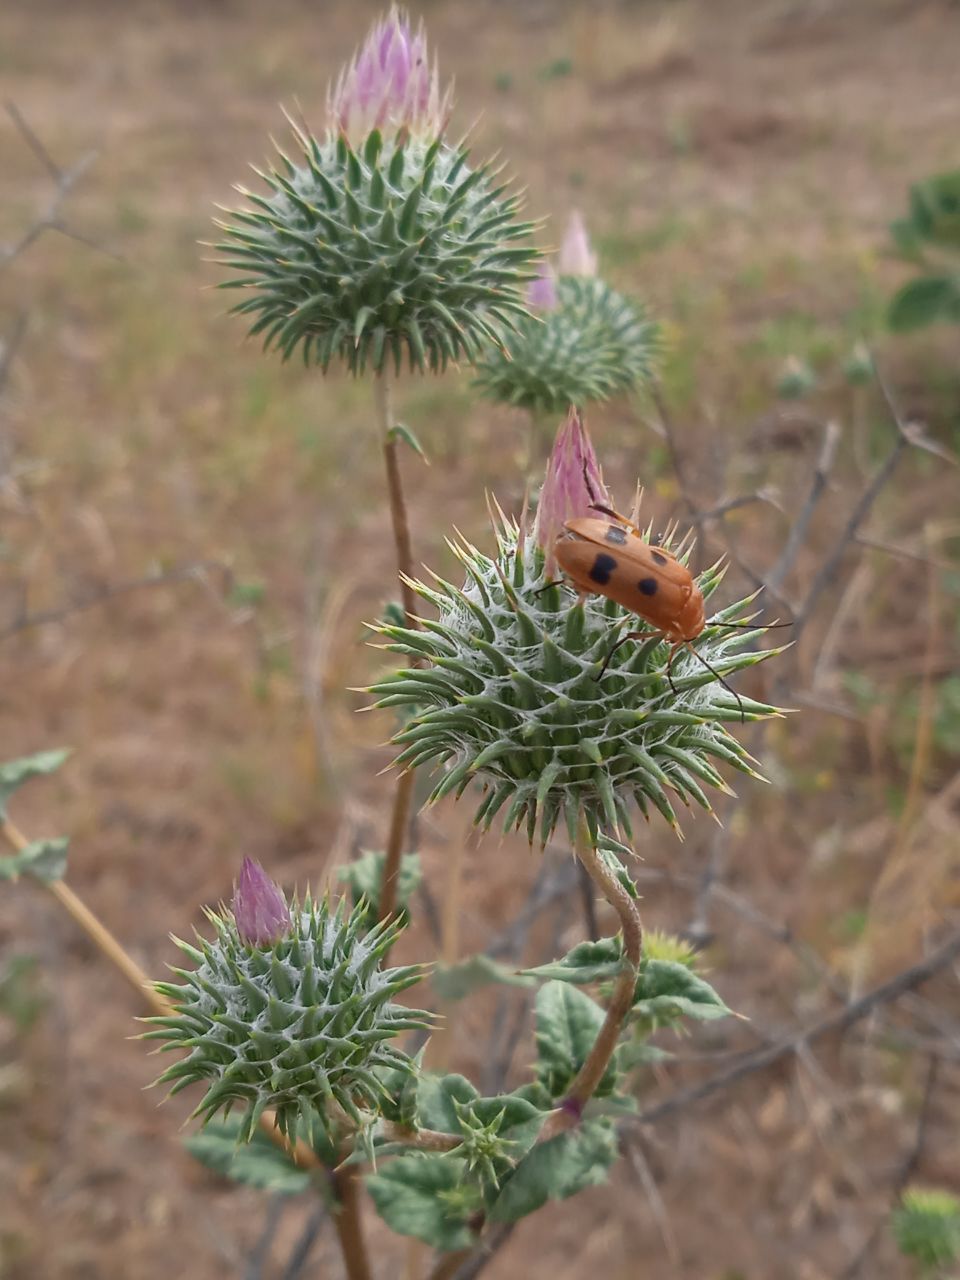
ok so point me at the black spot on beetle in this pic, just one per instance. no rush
(658, 557)
(648, 586)
(603, 566)
(617, 535)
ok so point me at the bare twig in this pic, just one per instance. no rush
(49, 219)
(193, 571)
(798, 531)
(300, 1255)
(839, 1020)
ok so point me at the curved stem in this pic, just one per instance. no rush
(113, 949)
(591, 1073)
(403, 796)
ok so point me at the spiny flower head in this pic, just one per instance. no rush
(300, 1022)
(523, 693)
(389, 85)
(259, 907)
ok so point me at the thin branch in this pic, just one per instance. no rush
(193, 571)
(839, 1020)
(798, 531)
(300, 1254)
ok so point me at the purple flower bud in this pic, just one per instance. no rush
(542, 292)
(576, 256)
(572, 484)
(389, 85)
(259, 907)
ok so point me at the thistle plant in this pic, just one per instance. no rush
(380, 242)
(287, 1008)
(583, 340)
(524, 695)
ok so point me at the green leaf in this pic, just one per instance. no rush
(454, 981)
(587, 962)
(557, 1169)
(613, 853)
(46, 860)
(16, 772)
(667, 991)
(435, 1100)
(567, 1024)
(428, 1197)
(400, 431)
(259, 1163)
(924, 300)
(926, 1226)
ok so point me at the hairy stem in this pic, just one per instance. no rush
(591, 1073)
(109, 946)
(403, 795)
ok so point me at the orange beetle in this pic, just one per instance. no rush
(614, 560)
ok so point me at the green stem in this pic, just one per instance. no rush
(403, 796)
(598, 1059)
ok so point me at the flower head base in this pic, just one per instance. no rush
(259, 907)
(542, 291)
(572, 485)
(577, 257)
(296, 1025)
(510, 698)
(593, 344)
(390, 86)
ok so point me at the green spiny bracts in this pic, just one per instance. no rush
(394, 249)
(298, 1025)
(508, 696)
(591, 345)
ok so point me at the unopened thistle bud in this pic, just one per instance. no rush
(542, 292)
(389, 85)
(571, 486)
(577, 257)
(259, 907)
(287, 1008)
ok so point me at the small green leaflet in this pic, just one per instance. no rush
(428, 1197)
(667, 990)
(43, 859)
(587, 962)
(567, 1024)
(399, 431)
(16, 772)
(259, 1163)
(557, 1169)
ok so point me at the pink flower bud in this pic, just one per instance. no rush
(572, 484)
(389, 85)
(576, 256)
(259, 907)
(542, 292)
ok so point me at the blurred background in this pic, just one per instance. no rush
(739, 165)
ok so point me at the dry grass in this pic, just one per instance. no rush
(738, 164)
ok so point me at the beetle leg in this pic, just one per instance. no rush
(630, 635)
(687, 645)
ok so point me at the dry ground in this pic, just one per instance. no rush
(739, 163)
